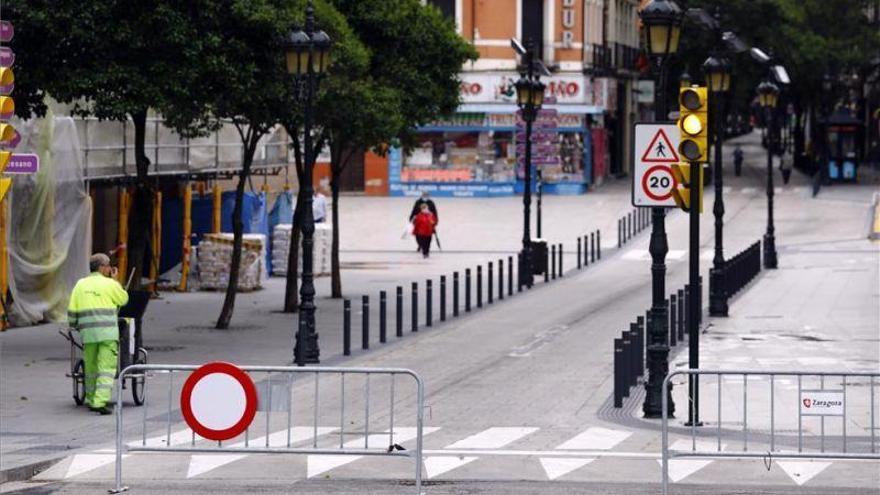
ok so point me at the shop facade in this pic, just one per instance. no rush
(480, 150)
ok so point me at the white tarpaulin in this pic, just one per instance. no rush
(50, 228)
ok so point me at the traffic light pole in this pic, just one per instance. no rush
(693, 304)
(658, 319)
(717, 287)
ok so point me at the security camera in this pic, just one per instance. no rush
(780, 74)
(759, 55)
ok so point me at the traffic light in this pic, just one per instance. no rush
(682, 194)
(7, 105)
(694, 123)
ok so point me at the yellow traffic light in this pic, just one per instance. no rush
(694, 123)
(682, 194)
(5, 184)
(7, 105)
(5, 157)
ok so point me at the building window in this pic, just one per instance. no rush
(446, 7)
(533, 24)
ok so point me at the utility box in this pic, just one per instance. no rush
(539, 256)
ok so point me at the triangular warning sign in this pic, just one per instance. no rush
(660, 150)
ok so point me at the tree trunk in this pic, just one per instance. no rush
(237, 232)
(140, 219)
(337, 165)
(291, 289)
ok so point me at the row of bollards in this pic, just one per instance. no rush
(631, 224)
(498, 284)
(631, 348)
(741, 269)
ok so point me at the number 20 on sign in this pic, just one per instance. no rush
(655, 149)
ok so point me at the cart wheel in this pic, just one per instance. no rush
(79, 382)
(138, 389)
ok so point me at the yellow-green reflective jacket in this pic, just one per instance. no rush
(94, 304)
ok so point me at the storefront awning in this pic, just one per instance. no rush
(508, 108)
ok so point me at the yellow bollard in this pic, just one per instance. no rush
(122, 236)
(187, 233)
(217, 200)
(156, 240)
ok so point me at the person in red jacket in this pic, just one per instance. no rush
(423, 229)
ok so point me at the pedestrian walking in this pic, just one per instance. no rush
(738, 160)
(319, 207)
(423, 228)
(424, 199)
(93, 311)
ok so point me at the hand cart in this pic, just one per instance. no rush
(131, 349)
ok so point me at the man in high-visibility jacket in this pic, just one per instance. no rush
(93, 309)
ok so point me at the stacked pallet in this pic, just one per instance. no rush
(281, 249)
(215, 258)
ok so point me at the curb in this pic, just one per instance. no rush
(27, 471)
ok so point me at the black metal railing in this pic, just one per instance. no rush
(631, 224)
(742, 268)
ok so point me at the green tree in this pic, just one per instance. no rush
(412, 79)
(113, 60)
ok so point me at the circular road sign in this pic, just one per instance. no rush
(218, 401)
(658, 182)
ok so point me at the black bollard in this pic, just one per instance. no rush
(561, 256)
(455, 294)
(680, 317)
(442, 297)
(399, 323)
(414, 317)
(598, 244)
(429, 303)
(346, 327)
(586, 251)
(383, 317)
(519, 280)
(628, 378)
(501, 279)
(510, 275)
(479, 286)
(579, 265)
(490, 286)
(618, 373)
(639, 331)
(365, 322)
(546, 266)
(673, 320)
(467, 290)
(619, 234)
(592, 247)
(553, 262)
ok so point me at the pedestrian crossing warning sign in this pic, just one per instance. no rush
(660, 149)
(655, 149)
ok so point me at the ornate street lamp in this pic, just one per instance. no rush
(307, 56)
(529, 98)
(662, 21)
(717, 71)
(768, 95)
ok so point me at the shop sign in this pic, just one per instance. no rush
(499, 88)
(568, 23)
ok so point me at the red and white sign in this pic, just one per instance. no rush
(499, 88)
(654, 151)
(218, 401)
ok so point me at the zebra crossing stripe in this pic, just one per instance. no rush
(595, 439)
(556, 467)
(492, 438)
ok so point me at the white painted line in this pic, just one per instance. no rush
(437, 465)
(83, 463)
(802, 471)
(544, 453)
(595, 438)
(201, 464)
(492, 438)
(748, 190)
(680, 469)
(554, 468)
(320, 463)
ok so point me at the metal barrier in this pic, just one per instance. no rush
(741, 269)
(284, 441)
(771, 434)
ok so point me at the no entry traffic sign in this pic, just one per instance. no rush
(654, 151)
(218, 401)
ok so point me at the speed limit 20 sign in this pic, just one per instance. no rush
(655, 149)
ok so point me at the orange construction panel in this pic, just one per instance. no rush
(375, 174)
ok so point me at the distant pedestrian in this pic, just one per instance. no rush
(423, 228)
(424, 199)
(738, 160)
(319, 207)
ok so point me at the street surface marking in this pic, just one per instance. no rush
(540, 339)
(560, 467)
(202, 463)
(749, 190)
(321, 463)
(802, 471)
(437, 465)
(644, 255)
(545, 453)
(596, 438)
(680, 469)
(83, 463)
(492, 438)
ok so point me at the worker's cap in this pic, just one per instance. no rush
(97, 261)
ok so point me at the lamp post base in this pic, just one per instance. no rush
(309, 353)
(526, 270)
(652, 408)
(717, 293)
(770, 259)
